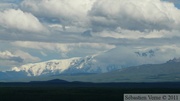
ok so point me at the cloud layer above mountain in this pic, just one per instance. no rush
(56, 29)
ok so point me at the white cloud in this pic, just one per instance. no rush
(69, 12)
(60, 46)
(19, 20)
(135, 34)
(9, 59)
(70, 28)
(140, 25)
(144, 18)
(26, 56)
(66, 48)
(134, 15)
(6, 55)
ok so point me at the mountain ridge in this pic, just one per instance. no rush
(88, 69)
(77, 65)
(166, 72)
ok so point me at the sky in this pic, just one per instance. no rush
(32, 31)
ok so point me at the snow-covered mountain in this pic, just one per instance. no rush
(175, 60)
(107, 61)
(98, 63)
(75, 65)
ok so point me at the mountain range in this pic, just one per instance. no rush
(166, 72)
(77, 65)
(86, 70)
(99, 63)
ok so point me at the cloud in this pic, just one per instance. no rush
(4, 6)
(174, 1)
(11, 1)
(126, 56)
(19, 20)
(120, 33)
(68, 12)
(85, 27)
(26, 56)
(144, 18)
(8, 58)
(134, 15)
(66, 49)
(106, 14)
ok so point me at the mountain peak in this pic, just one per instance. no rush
(149, 53)
(175, 60)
